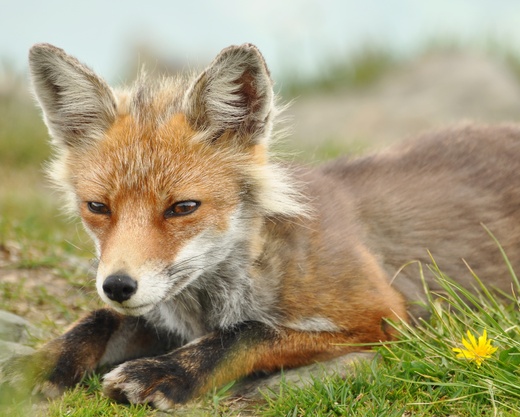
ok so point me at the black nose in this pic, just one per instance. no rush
(119, 287)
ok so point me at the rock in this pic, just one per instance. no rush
(254, 388)
(15, 334)
(8, 349)
(16, 329)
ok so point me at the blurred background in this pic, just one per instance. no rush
(361, 75)
(361, 72)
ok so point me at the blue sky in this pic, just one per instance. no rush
(299, 34)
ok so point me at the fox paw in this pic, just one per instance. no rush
(161, 384)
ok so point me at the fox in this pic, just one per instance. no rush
(218, 260)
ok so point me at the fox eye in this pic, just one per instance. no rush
(181, 208)
(98, 208)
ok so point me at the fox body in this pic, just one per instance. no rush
(216, 261)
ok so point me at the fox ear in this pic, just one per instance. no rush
(77, 105)
(234, 93)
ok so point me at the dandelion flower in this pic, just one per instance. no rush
(476, 352)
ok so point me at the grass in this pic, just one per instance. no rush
(417, 375)
(420, 374)
(45, 276)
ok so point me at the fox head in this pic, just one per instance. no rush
(171, 178)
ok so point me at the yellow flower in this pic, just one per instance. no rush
(474, 351)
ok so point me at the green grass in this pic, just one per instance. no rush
(83, 401)
(23, 138)
(419, 374)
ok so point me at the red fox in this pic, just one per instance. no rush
(217, 261)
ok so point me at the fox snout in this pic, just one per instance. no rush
(133, 292)
(119, 287)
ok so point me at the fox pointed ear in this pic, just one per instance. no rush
(78, 106)
(234, 93)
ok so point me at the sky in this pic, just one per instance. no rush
(299, 35)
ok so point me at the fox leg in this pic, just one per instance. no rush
(102, 337)
(221, 357)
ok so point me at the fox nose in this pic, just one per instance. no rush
(119, 287)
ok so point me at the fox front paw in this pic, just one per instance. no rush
(159, 383)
